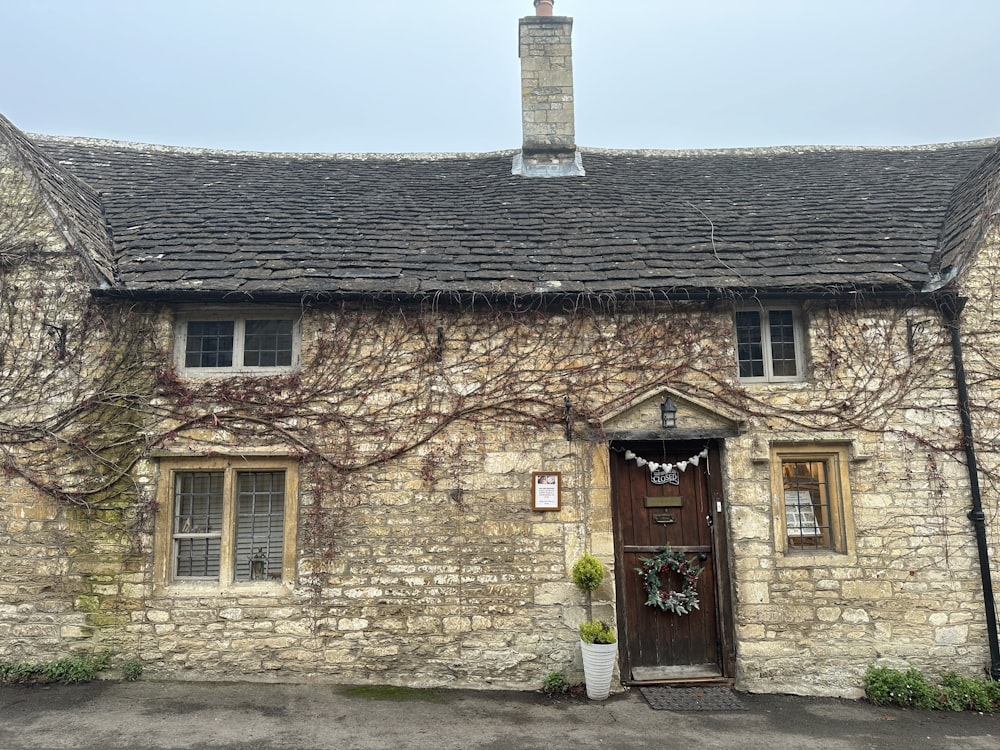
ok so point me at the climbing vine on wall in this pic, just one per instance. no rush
(89, 388)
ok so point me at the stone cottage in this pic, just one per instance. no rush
(353, 418)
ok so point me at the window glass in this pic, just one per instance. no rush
(209, 343)
(226, 520)
(811, 495)
(782, 330)
(260, 513)
(268, 343)
(198, 509)
(768, 346)
(237, 344)
(749, 344)
(807, 504)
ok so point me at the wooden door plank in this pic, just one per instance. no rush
(652, 638)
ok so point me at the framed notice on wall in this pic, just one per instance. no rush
(546, 487)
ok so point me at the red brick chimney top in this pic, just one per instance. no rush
(544, 7)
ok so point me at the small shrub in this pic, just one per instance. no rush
(588, 573)
(993, 690)
(131, 669)
(888, 687)
(596, 631)
(67, 670)
(12, 673)
(965, 693)
(910, 689)
(555, 684)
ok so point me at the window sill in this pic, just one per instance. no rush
(761, 381)
(215, 373)
(210, 588)
(807, 559)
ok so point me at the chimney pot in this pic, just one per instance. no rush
(544, 7)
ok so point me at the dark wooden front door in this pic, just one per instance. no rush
(658, 645)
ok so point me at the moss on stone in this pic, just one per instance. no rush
(87, 603)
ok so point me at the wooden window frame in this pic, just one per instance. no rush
(230, 466)
(798, 331)
(836, 459)
(238, 316)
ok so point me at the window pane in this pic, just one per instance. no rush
(260, 516)
(198, 558)
(209, 343)
(807, 504)
(268, 343)
(198, 499)
(749, 347)
(782, 330)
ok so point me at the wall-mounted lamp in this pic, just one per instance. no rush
(668, 414)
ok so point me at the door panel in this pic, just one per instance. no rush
(657, 644)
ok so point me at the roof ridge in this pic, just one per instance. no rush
(139, 146)
(791, 149)
(304, 155)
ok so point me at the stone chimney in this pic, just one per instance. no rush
(549, 147)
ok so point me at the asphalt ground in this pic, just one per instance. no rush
(267, 716)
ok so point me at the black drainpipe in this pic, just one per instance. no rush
(951, 306)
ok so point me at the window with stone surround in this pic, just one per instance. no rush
(811, 491)
(226, 521)
(769, 344)
(222, 341)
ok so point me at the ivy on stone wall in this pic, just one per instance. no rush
(88, 389)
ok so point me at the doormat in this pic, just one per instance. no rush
(663, 698)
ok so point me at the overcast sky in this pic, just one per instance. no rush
(443, 75)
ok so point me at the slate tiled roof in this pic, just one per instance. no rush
(209, 223)
(76, 206)
(971, 211)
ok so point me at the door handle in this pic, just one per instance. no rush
(703, 556)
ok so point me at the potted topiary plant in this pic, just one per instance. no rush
(599, 648)
(588, 574)
(598, 645)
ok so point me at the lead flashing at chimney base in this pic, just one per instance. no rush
(547, 111)
(569, 166)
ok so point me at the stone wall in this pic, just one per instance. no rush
(907, 594)
(437, 572)
(50, 593)
(423, 587)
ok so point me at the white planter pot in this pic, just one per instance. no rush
(598, 668)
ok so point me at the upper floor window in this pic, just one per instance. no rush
(265, 342)
(769, 344)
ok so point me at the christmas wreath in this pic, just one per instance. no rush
(679, 602)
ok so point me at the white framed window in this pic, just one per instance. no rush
(224, 342)
(226, 521)
(769, 344)
(812, 502)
